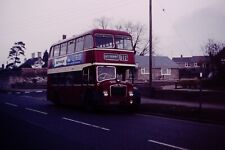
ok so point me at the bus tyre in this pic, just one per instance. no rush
(88, 102)
(133, 107)
(57, 99)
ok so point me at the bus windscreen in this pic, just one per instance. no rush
(106, 73)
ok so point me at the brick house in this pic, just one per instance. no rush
(191, 67)
(163, 68)
(31, 74)
(191, 62)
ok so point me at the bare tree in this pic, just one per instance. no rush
(145, 47)
(137, 31)
(102, 22)
(212, 48)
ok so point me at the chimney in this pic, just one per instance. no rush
(63, 36)
(39, 54)
(33, 55)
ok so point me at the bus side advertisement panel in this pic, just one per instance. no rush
(73, 59)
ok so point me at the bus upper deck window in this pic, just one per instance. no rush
(56, 50)
(123, 42)
(88, 42)
(79, 44)
(103, 41)
(51, 52)
(71, 46)
(63, 48)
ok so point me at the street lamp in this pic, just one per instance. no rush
(150, 43)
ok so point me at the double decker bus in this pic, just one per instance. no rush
(93, 69)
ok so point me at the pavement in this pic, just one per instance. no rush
(190, 104)
(186, 110)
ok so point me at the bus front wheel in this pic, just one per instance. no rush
(88, 102)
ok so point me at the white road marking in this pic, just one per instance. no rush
(11, 104)
(38, 111)
(144, 115)
(84, 123)
(38, 91)
(167, 145)
(27, 92)
(35, 98)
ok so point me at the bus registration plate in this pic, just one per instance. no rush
(114, 102)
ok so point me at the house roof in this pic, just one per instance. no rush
(192, 59)
(182, 59)
(157, 62)
(30, 62)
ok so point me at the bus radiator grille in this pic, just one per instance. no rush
(118, 91)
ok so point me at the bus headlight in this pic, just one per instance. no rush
(131, 93)
(105, 93)
(131, 102)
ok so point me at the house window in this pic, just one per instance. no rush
(203, 65)
(144, 71)
(187, 64)
(195, 64)
(165, 71)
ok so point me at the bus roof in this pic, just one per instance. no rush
(94, 31)
(107, 31)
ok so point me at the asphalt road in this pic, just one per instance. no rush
(28, 121)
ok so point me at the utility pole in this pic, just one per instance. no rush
(150, 43)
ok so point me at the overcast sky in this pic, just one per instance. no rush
(181, 26)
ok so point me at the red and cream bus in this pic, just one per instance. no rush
(93, 69)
